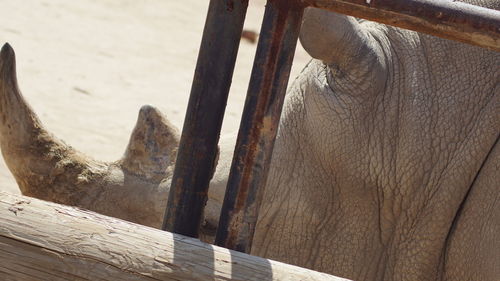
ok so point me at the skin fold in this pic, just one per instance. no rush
(386, 165)
(392, 138)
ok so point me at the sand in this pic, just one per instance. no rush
(87, 66)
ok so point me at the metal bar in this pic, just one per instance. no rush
(447, 19)
(259, 124)
(202, 125)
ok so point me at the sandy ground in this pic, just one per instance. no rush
(87, 66)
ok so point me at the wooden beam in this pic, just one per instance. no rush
(46, 241)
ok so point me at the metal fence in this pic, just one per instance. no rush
(278, 38)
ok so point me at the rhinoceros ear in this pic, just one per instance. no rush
(152, 148)
(334, 38)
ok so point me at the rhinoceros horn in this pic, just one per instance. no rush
(134, 188)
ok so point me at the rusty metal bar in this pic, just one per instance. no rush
(443, 18)
(259, 124)
(202, 125)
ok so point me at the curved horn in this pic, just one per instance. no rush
(152, 148)
(20, 125)
(134, 188)
(33, 155)
(334, 38)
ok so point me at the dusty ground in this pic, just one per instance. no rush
(87, 66)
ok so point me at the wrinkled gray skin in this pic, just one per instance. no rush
(386, 165)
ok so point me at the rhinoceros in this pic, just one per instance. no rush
(386, 165)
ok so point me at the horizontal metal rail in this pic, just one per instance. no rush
(443, 18)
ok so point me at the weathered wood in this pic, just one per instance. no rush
(46, 241)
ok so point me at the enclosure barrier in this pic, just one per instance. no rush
(47, 241)
(444, 18)
(41, 240)
(207, 103)
(278, 37)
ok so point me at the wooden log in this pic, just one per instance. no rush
(40, 240)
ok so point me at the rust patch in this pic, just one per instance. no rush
(250, 36)
(287, 4)
(261, 118)
(230, 6)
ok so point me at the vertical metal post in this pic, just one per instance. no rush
(259, 124)
(203, 121)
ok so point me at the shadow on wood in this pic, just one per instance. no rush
(40, 240)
